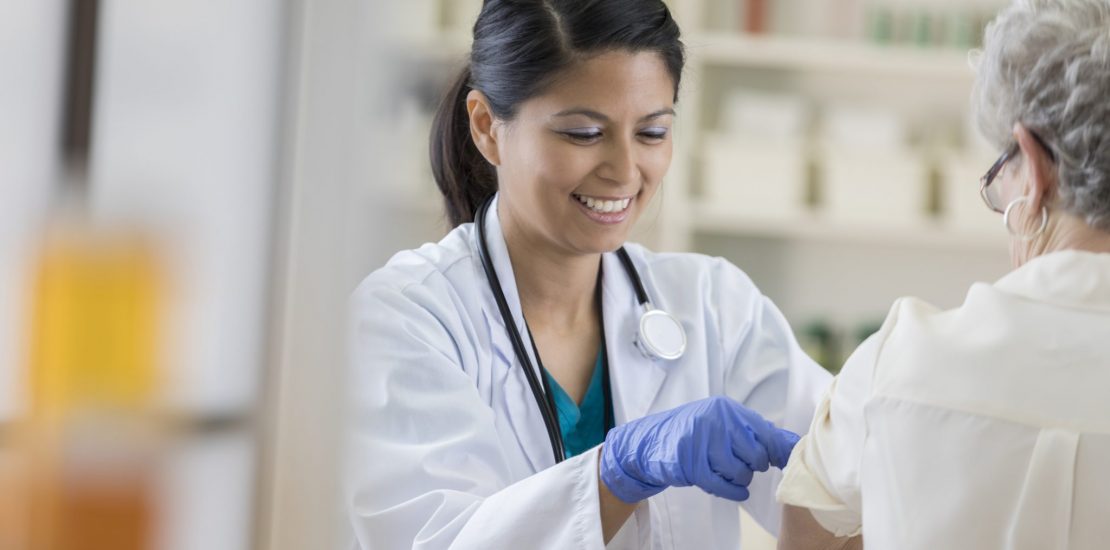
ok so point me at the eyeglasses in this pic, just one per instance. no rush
(991, 194)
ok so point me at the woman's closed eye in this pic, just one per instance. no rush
(655, 133)
(592, 135)
(583, 135)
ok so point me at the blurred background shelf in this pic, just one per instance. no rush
(851, 59)
(710, 217)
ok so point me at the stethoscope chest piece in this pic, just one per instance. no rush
(661, 335)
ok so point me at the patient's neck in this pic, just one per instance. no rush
(1068, 232)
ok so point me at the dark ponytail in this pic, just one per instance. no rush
(519, 47)
(461, 172)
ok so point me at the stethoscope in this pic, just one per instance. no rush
(660, 336)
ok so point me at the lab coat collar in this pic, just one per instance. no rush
(636, 379)
(503, 266)
(524, 414)
(1070, 278)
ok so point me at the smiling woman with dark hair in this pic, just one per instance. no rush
(535, 381)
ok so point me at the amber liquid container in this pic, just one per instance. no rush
(90, 442)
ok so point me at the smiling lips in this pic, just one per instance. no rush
(602, 206)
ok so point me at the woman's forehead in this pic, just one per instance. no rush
(615, 84)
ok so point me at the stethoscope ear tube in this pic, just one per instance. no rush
(637, 284)
(554, 433)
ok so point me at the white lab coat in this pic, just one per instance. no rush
(450, 449)
(985, 426)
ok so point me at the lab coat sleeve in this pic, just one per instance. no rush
(824, 470)
(766, 370)
(426, 467)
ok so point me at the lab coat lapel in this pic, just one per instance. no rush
(635, 378)
(518, 403)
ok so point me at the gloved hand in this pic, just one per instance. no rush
(715, 444)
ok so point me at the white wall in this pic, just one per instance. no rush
(32, 47)
(326, 229)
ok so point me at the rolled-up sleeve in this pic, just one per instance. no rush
(824, 470)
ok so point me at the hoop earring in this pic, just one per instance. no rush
(1015, 234)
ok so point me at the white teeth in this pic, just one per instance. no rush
(602, 206)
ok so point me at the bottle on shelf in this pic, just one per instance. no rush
(91, 440)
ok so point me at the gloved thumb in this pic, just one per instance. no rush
(782, 444)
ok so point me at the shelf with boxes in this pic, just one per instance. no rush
(824, 55)
(791, 156)
(715, 217)
(791, 130)
(866, 180)
(927, 24)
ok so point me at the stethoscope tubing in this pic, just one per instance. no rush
(540, 389)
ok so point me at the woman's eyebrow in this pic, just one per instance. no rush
(657, 114)
(590, 113)
(578, 111)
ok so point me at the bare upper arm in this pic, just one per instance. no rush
(800, 531)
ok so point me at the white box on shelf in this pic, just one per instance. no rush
(758, 179)
(863, 127)
(873, 187)
(961, 206)
(765, 116)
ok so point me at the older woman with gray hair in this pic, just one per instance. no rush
(988, 426)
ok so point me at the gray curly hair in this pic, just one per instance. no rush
(1046, 64)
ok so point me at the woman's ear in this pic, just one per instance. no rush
(1038, 168)
(483, 127)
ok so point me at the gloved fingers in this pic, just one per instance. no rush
(783, 443)
(739, 474)
(721, 487)
(777, 443)
(724, 463)
(746, 445)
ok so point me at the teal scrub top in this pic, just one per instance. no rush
(582, 426)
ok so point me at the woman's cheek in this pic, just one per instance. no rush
(565, 166)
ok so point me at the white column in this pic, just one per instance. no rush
(330, 158)
(32, 54)
(185, 144)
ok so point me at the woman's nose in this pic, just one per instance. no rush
(621, 164)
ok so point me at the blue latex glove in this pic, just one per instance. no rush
(715, 444)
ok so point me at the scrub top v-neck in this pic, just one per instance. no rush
(583, 426)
